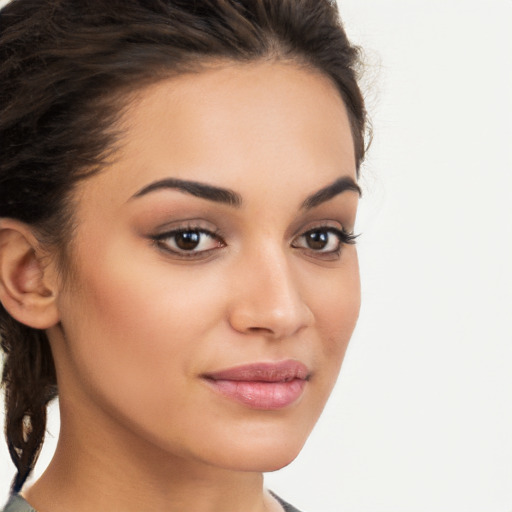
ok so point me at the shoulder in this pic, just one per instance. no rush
(286, 506)
(17, 504)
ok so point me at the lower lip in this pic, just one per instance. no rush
(260, 395)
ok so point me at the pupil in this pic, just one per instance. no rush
(317, 240)
(187, 240)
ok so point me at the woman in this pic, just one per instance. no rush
(177, 200)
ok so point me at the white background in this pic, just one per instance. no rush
(421, 419)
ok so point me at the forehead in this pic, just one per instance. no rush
(240, 125)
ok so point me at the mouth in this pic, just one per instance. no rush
(264, 386)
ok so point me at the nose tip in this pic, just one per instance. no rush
(270, 306)
(274, 322)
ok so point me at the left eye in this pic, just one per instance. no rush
(324, 240)
(189, 241)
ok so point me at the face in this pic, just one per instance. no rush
(214, 286)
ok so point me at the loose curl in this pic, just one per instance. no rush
(67, 68)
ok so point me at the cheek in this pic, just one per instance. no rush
(134, 327)
(140, 294)
(336, 309)
(340, 301)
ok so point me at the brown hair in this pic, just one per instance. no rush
(64, 66)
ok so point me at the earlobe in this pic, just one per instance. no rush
(26, 290)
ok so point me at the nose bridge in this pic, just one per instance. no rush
(268, 297)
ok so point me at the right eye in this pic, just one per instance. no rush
(189, 242)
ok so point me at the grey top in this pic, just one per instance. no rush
(286, 506)
(17, 504)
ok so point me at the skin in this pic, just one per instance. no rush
(138, 325)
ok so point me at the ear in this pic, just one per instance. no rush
(27, 286)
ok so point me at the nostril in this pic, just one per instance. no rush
(277, 312)
(260, 329)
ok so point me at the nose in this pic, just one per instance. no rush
(267, 300)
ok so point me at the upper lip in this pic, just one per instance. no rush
(282, 371)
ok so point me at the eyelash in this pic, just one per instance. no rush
(344, 238)
(160, 241)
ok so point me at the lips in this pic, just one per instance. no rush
(265, 386)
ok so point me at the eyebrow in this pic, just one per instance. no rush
(194, 188)
(232, 198)
(325, 194)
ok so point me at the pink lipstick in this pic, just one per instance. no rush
(266, 386)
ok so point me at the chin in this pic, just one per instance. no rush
(276, 465)
(261, 463)
(258, 454)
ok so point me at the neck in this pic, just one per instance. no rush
(97, 467)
